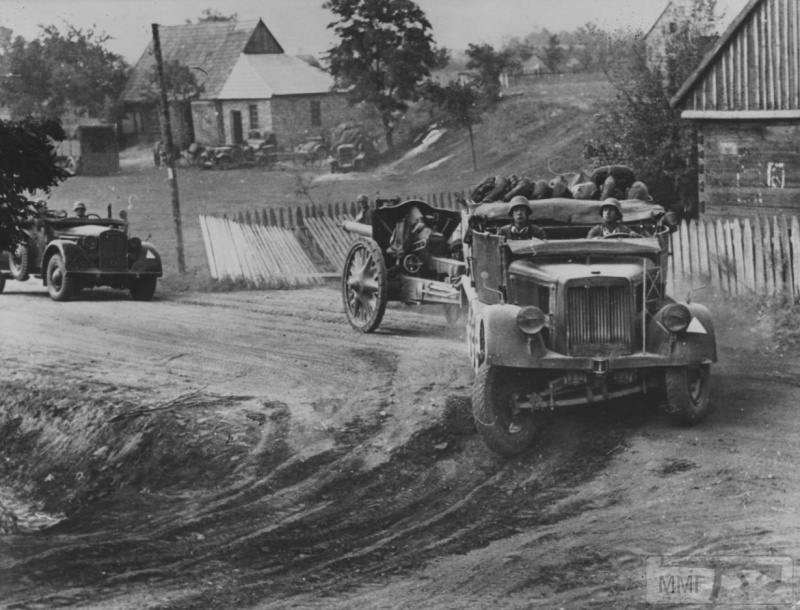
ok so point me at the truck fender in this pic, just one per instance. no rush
(697, 344)
(149, 259)
(73, 256)
(506, 344)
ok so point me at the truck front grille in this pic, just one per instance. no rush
(113, 251)
(598, 319)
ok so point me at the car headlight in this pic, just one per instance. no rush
(134, 244)
(676, 317)
(91, 243)
(531, 320)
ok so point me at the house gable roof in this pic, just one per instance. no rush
(212, 48)
(713, 54)
(264, 76)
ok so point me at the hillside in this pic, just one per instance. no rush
(541, 124)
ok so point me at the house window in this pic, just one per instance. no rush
(316, 113)
(253, 108)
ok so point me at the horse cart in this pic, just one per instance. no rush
(411, 253)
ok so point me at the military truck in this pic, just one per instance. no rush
(569, 320)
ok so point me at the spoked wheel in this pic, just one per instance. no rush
(688, 392)
(60, 286)
(18, 262)
(505, 427)
(364, 286)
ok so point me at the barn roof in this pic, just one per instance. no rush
(714, 53)
(212, 48)
(262, 76)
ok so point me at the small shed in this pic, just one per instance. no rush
(91, 150)
(744, 99)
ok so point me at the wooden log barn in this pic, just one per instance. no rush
(744, 99)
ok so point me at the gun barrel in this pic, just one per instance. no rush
(358, 228)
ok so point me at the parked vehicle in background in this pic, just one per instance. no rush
(407, 254)
(347, 158)
(311, 151)
(71, 253)
(570, 320)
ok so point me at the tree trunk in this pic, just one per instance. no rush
(388, 130)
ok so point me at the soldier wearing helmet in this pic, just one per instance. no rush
(79, 209)
(521, 227)
(611, 212)
(364, 214)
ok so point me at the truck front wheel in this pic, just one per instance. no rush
(688, 391)
(504, 427)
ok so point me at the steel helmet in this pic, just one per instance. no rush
(612, 203)
(78, 205)
(519, 202)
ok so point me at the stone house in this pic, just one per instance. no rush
(248, 84)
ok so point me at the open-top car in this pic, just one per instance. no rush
(407, 254)
(71, 253)
(568, 320)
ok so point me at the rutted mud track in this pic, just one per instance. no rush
(249, 449)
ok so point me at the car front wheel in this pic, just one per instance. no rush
(688, 392)
(505, 427)
(60, 285)
(143, 289)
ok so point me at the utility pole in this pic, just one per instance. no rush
(166, 138)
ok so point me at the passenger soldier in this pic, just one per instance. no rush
(79, 209)
(364, 214)
(611, 212)
(521, 227)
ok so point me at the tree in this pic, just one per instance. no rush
(180, 82)
(213, 15)
(27, 165)
(553, 54)
(490, 64)
(385, 50)
(640, 128)
(60, 71)
(459, 104)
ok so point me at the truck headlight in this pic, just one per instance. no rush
(134, 244)
(675, 317)
(91, 243)
(531, 319)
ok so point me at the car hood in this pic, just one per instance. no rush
(564, 272)
(87, 230)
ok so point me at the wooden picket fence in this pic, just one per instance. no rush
(738, 256)
(266, 256)
(302, 245)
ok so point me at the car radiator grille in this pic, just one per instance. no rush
(598, 319)
(113, 251)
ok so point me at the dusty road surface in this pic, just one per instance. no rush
(248, 449)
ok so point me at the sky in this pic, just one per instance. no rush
(300, 25)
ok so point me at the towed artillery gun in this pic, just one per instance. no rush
(570, 320)
(410, 253)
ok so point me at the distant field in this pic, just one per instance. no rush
(544, 122)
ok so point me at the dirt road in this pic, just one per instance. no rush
(249, 450)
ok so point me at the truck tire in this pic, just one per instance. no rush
(60, 285)
(144, 288)
(504, 431)
(18, 262)
(688, 391)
